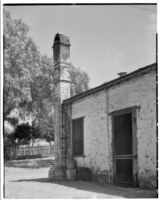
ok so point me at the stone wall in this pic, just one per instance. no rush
(61, 54)
(95, 108)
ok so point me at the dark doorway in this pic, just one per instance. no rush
(124, 140)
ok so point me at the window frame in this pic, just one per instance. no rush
(80, 154)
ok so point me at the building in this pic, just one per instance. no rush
(110, 129)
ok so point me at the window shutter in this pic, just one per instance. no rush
(77, 136)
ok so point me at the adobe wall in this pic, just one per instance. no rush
(140, 91)
(93, 109)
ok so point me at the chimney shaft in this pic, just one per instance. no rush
(61, 54)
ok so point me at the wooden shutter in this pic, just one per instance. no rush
(77, 136)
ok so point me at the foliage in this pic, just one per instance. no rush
(13, 121)
(42, 92)
(24, 133)
(29, 83)
(79, 80)
(21, 63)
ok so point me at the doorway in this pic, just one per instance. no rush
(125, 148)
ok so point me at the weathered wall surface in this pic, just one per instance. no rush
(94, 111)
(61, 53)
(141, 92)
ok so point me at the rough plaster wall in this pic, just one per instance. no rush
(96, 150)
(140, 92)
(98, 133)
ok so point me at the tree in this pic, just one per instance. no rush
(42, 91)
(29, 78)
(43, 95)
(24, 132)
(79, 80)
(21, 63)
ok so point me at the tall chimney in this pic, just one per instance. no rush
(61, 55)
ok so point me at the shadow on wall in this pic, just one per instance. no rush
(98, 188)
(30, 163)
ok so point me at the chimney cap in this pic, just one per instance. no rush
(122, 74)
(61, 39)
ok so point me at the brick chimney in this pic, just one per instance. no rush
(61, 55)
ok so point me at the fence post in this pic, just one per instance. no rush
(38, 150)
(10, 153)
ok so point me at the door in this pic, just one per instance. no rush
(124, 148)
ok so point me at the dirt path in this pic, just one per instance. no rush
(27, 179)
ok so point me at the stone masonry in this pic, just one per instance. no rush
(135, 91)
(138, 93)
(61, 54)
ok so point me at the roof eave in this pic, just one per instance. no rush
(113, 82)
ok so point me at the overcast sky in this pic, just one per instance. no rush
(105, 39)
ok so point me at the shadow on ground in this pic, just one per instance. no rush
(99, 188)
(30, 163)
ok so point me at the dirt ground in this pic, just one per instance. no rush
(28, 179)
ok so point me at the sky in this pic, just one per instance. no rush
(105, 39)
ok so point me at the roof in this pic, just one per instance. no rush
(134, 74)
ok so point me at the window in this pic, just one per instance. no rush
(77, 137)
